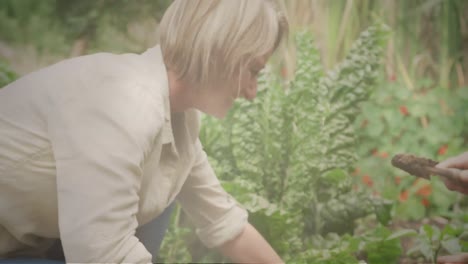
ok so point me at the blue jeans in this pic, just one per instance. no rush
(150, 234)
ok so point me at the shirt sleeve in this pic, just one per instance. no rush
(100, 137)
(217, 216)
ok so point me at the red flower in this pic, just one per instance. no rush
(384, 155)
(442, 150)
(404, 110)
(425, 190)
(403, 196)
(367, 180)
(425, 202)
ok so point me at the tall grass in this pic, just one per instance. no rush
(428, 39)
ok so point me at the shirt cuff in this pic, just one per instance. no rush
(226, 228)
(138, 254)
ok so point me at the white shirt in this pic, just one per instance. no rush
(88, 154)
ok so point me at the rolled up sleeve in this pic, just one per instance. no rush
(217, 216)
(99, 139)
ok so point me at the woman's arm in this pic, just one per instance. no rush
(250, 247)
(221, 223)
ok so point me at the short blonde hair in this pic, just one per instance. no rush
(206, 42)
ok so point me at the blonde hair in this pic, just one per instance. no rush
(206, 42)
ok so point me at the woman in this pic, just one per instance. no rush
(94, 149)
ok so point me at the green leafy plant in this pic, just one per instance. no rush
(294, 146)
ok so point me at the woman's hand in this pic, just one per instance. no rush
(459, 162)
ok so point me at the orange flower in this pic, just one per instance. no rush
(425, 190)
(375, 152)
(367, 180)
(425, 202)
(364, 123)
(397, 180)
(442, 150)
(416, 181)
(356, 171)
(404, 110)
(384, 155)
(403, 196)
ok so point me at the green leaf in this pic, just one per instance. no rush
(426, 250)
(402, 233)
(376, 129)
(452, 245)
(429, 231)
(335, 176)
(412, 209)
(449, 231)
(383, 210)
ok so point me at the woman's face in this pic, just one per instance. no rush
(218, 100)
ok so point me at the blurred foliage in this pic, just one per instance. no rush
(6, 74)
(82, 18)
(173, 248)
(30, 22)
(54, 25)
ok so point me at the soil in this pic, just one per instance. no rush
(414, 165)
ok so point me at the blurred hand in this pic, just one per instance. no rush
(461, 258)
(459, 162)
